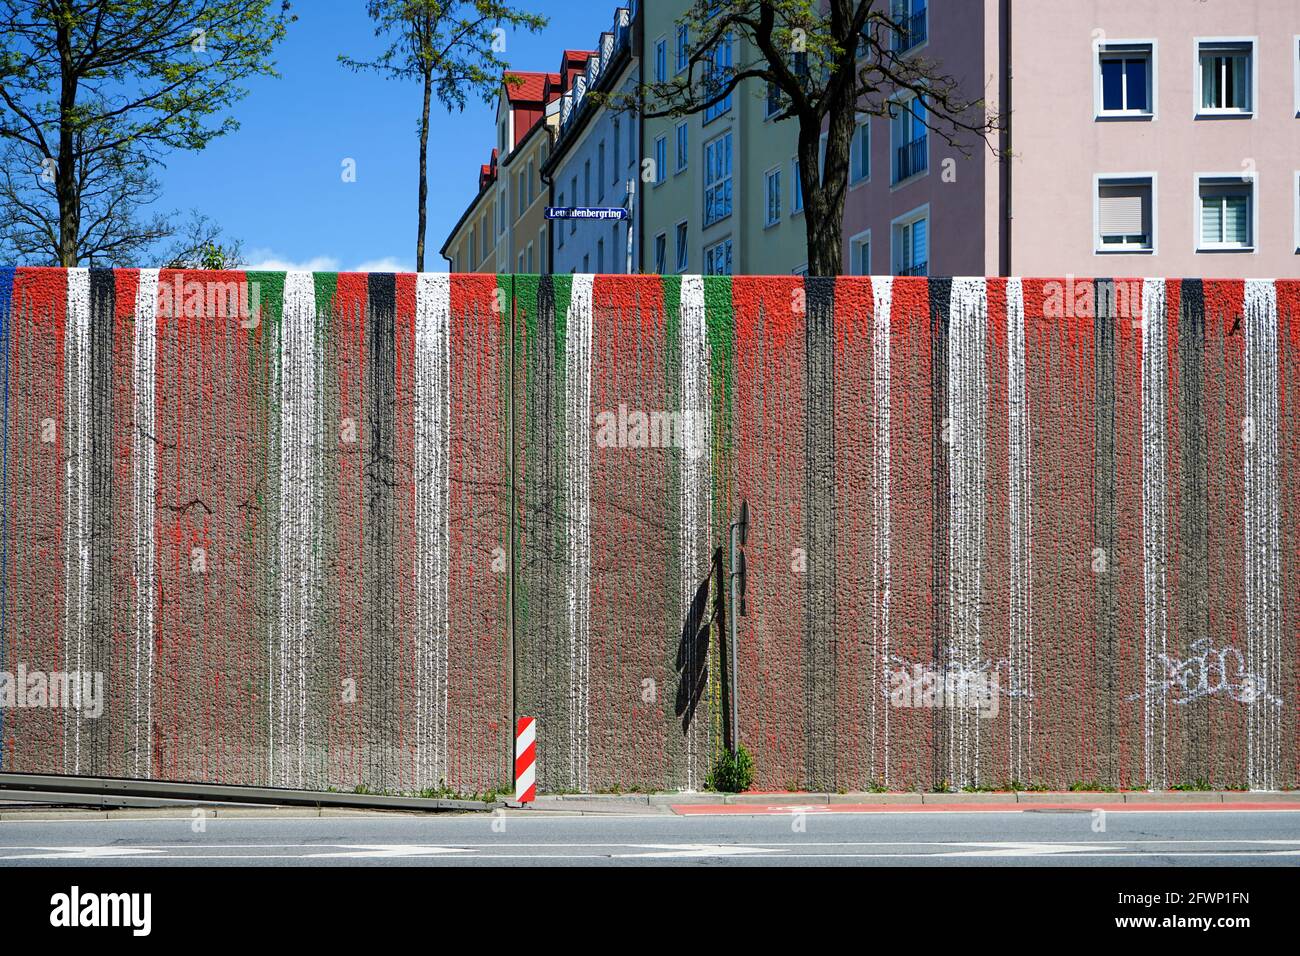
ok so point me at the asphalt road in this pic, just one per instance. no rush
(521, 838)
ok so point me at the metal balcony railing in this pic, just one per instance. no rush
(913, 32)
(917, 269)
(913, 158)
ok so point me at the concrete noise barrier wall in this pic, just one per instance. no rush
(331, 530)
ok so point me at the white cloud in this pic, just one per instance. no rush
(266, 260)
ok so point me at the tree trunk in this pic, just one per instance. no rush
(65, 173)
(823, 183)
(424, 172)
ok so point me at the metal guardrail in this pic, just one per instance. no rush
(59, 787)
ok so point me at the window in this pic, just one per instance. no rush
(912, 21)
(586, 183)
(541, 249)
(717, 71)
(523, 193)
(600, 171)
(910, 139)
(1125, 214)
(530, 257)
(661, 253)
(520, 270)
(661, 60)
(573, 191)
(717, 259)
(772, 191)
(532, 182)
(912, 243)
(586, 264)
(860, 152)
(473, 245)
(559, 231)
(600, 255)
(631, 143)
(1225, 79)
(661, 159)
(860, 254)
(682, 148)
(617, 141)
(796, 187)
(717, 179)
(683, 257)
(683, 48)
(1126, 79)
(773, 103)
(1295, 194)
(1227, 212)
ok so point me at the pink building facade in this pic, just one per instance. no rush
(1146, 138)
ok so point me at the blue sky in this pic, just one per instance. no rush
(277, 185)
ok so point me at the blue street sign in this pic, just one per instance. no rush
(598, 213)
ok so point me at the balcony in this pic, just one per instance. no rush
(918, 269)
(914, 31)
(913, 159)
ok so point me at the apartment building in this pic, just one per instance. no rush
(1144, 141)
(596, 155)
(471, 246)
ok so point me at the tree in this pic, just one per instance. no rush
(454, 48)
(828, 60)
(97, 90)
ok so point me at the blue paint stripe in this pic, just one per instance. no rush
(6, 302)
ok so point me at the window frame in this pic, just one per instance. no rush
(661, 172)
(682, 250)
(729, 179)
(681, 51)
(768, 220)
(1252, 213)
(906, 219)
(860, 239)
(683, 147)
(895, 182)
(1252, 79)
(863, 123)
(796, 187)
(661, 60)
(728, 241)
(894, 40)
(661, 265)
(1101, 49)
(1101, 179)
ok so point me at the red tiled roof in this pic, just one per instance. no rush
(531, 90)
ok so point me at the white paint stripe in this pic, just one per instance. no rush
(1020, 523)
(526, 737)
(1262, 543)
(77, 527)
(882, 290)
(432, 510)
(577, 368)
(967, 405)
(299, 493)
(146, 466)
(1154, 631)
(695, 495)
(527, 777)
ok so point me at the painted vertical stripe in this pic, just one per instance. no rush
(432, 485)
(78, 531)
(881, 573)
(577, 420)
(1263, 547)
(1154, 624)
(1020, 532)
(146, 463)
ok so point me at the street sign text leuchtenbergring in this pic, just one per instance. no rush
(597, 213)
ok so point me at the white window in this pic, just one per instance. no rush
(860, 151)
(911, 239)
(682, 146)
(796, 187)
(1125, 214)
(772, 193)
(1225, 77)
(717, 179)
(1226, 204)
(661, 253)
(541, 249)
(911, 139)
(683, 254)
(661, 60)
(1125, 75)
(683, 48)
(912, 20)
(661, 159)
(716, 74)
(860, 254)
(717, 259)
